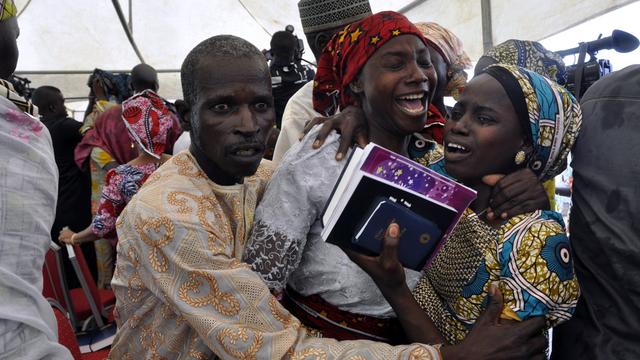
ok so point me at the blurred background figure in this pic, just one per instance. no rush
(287, 72)
(74, 192)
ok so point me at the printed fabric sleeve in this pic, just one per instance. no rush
(111, 205)
(221, 298)
(534, 262)
(282, 221)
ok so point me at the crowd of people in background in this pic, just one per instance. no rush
(203, 216)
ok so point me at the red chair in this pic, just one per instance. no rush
(89, 301)
(68, 339)
(54, 285)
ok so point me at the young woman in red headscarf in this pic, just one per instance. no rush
(382, 65)
(148, 122)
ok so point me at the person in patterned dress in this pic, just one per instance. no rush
(376, 62)
(507, 118)
(182, 291)
(148, 122)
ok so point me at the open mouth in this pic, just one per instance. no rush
(414, 104)
(247, 150)
(455, 151)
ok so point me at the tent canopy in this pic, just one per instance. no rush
(62, 41)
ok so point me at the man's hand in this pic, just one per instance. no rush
(517, 193)
(495, 339)
(351, 125)
(385, 269)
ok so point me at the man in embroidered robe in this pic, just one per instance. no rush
(181, 289)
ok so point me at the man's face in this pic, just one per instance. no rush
(318, 40)
(9, 32)
(60, 109)
(233, 113)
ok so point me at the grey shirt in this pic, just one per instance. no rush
(286, 247)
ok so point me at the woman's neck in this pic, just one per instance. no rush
(481, 203)
(384, 138)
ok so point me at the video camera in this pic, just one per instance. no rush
(22, 86)
(583, 74)
(297, 52)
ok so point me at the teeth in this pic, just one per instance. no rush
(414, 111)
(411, 97)
(456, 146)
(248, 152)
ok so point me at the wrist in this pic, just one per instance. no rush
(450, 352)
(395, 291)
(73, 238)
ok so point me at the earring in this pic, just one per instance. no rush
(520, 157)
(133, 146)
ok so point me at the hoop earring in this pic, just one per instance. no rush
(521, 156)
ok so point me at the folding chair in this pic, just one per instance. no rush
(89, 300)
(68, 339)
(54, 283)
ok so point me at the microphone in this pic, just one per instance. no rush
(619, 40)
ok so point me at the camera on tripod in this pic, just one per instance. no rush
(298, 47)
(22, 86)
(583, 74)
(299, 50)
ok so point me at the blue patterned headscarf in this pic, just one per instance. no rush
(554, 118)
(531, 55)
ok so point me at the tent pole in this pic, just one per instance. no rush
(487, 29)
(410, 6)
(131, 16)
(123, 22)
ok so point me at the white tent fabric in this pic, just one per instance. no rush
(80, 35)
(527, 20)
(59, 36)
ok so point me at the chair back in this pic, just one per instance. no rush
(66, 336)
(87, 282)
(54, 284)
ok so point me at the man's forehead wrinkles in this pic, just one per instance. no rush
(223, 80)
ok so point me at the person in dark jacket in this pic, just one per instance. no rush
(605, 224)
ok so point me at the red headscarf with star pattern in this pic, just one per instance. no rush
(347, 53)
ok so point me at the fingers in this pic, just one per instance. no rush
(514, 208)
(325, 130)
(492, 180)
(536, 347)
(389, 254)
(345, 142)
(502, 193)
(532, 327)
(367, 263)
(310, 124)
(361, 138)
(492, 313)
